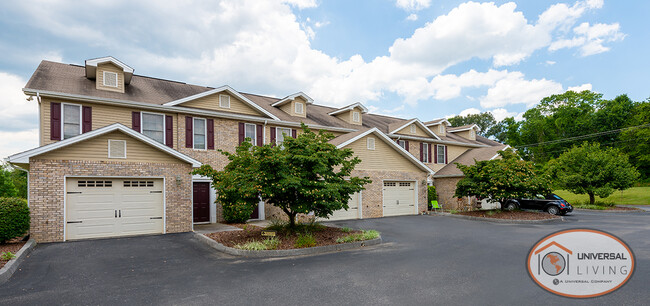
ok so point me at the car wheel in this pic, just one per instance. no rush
(510, 206)
(553, 210)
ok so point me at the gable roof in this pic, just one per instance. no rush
(23, 157)
(469, 157)
(396, 127)
(228, 89)
(349, 138)
(91, 67)
(437, 121)
(463, 128)
(349, 108)
(292, 97)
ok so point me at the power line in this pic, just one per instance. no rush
(583, 136)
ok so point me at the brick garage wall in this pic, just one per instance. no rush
(445, 188)
(47, 180)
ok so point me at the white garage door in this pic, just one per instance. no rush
(399, 198)
(107, 207)
(353, 211)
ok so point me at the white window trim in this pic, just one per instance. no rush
(278, 133)
(302, 108)
(402, 143)
(413, 129)
(253, 142)
(441, 129)
(62, 116)
(164, 125)
(205, 130)
(221, 105)
(472, 133)
(444, 155)
(109, 148)
(370, 141)
(356, 116)
(425, 150)
(117, 79)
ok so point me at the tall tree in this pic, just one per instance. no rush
(636, 141)
(590, 169)
(7, 187)
(485, 121)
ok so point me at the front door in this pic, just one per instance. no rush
(256, 212)
(201, 202)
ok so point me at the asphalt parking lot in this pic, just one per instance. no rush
(424, 260)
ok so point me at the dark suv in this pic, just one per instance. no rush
(551, 203)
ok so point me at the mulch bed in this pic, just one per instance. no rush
(509, 215)
(12, 246)
(326, 236)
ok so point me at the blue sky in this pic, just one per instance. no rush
(408, 58)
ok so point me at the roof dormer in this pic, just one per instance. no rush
(466, 131)
(438, 126)
(295, 104)
(351, 114)
(413, 127)
(109, 73)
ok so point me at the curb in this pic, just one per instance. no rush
(561, 219)
(614, 211)
(286, 253)
(11, 266)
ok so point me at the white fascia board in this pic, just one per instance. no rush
(350, 107)
(292, 97)
(466, 129)
(439, 122)
(390, 143)
(175, 109)
(23, 158)
(94, 62)
(419, 123)
(406, 137)
(220, 89)
(497, 155)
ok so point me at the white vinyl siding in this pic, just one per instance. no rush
(441, 154)
(250, 132)
(153, 126)
(199, 133)
(280, 134)
(425, 153)
(71, 120)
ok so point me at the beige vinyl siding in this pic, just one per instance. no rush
(103, 115)
(418, 131)
(99, 79)
(290, 107)
(383, 157)
(348, 116)
(436, 130)
(96, 149)
(211, 102)
(452, 153)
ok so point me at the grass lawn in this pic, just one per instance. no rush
(632, 196)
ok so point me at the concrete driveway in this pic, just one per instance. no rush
(425, 260)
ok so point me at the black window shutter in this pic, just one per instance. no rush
(421, 153)
(169, 131)
(260, 135)
(189, 132)
(55, 121)
(446, 155)
(210, 123)
(273, 131)
(294, 133)
(406, 145)
(135, 121)
(430, 159)
(435, 154)
(241, 132)
(86, 119)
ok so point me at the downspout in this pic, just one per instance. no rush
(40, 123)
(260, 209)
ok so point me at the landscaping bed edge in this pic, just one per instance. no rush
(11, 266)
(612, 210)
(285, 253)
(495, 220)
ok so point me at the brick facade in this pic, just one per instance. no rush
(445, 188)
(47, 181)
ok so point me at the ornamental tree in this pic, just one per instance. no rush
(501, 179)
(302, 175)
(590, 169)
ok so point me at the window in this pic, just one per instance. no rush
(404, 184)
(110, 79)
(412, 128)
(441, 154)
(95, 184)
(441, 129)
(153, 126)
(224, 101)
(472, 134)
(356, 117)
(138, 183)
(199, 133)
(402, 143)
(281, 133)
(371, 143)
(425, 153)
(390, 184)
(299, 108)
(249, 132)
(71, 120)
(116, 148)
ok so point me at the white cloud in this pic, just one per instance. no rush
(502, 113)
(16, 142)
(580, 88)
(412, 17)
(470, 111)
(514, 89)
(19, 117)
(413, 5)
(302, 4)
(590, 38)
(550, 63)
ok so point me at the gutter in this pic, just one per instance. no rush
(176, 109)
(437, 141)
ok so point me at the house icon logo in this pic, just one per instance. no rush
(553, 262)
(580, 263)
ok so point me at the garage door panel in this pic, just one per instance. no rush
(399, 198)
(351, 213)
(139, 226)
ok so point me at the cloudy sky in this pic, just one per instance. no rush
(408, 58)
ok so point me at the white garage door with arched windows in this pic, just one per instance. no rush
(113, 207)
(399, 198)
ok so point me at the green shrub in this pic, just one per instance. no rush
(305, 240)
(7, 256)
(277, 225)
(14, 218)
(252, 246)
(364, 235)
(272, 243)
(237, 211)
(346, 229)
(431, 196)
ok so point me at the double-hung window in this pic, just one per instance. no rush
(250, 132)
(153, 126)
(199, 133)
(425, 153)
(71, 120)
(402, 143)
(441, 155)
(281, 134)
